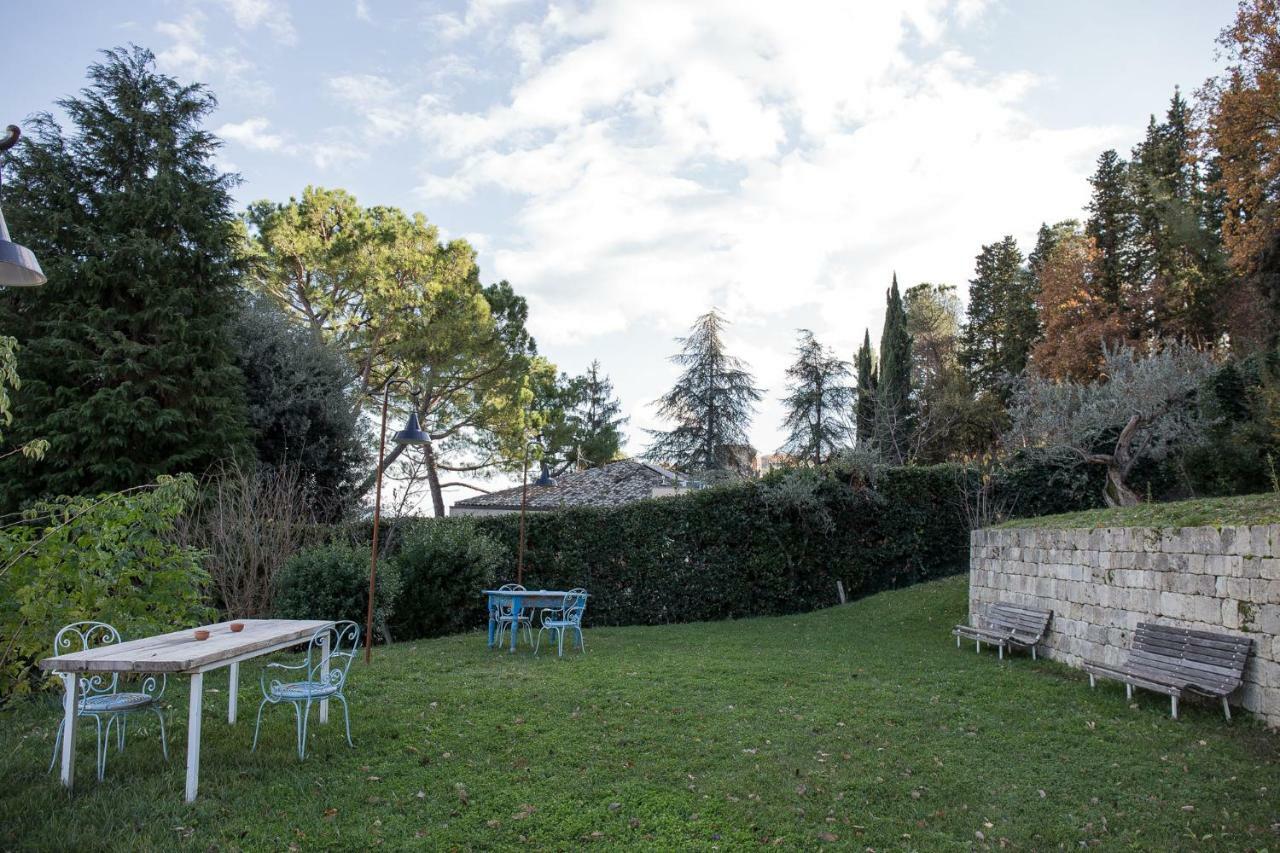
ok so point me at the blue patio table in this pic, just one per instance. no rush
(520, 599)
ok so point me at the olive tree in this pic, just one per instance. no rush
(1140, 408)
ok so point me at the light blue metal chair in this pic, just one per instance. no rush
(324, 676)
(505, 617)
(567, 618)
(100, 694)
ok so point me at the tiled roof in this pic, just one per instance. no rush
(609, 485)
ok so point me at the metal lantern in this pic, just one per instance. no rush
(18, 264)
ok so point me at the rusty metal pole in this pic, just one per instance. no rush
(524, 500)
(377, 511)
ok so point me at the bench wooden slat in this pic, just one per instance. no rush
(1169, 660)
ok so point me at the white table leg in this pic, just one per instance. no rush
(233, 696)
(70, 704)
(193, 735)
(324, 676)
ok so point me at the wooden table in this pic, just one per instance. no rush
(519, 599)
(181, 652)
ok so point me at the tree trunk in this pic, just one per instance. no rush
(1116, 493)
(433, 479)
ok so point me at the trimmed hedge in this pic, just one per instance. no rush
(773, 546)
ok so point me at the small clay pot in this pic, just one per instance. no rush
(202, 633)
(237, 627)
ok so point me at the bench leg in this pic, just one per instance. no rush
(957, 641)
(1226, 707)
(1173, 700)
(1091, 682)
(977, 645)
(1000, 651)
(1033, 652)
(1128, 692)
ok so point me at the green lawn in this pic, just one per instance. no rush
(861, 726)
(1201, 512)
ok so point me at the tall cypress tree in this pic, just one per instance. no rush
(865, 414)
(893, 399)
(711, 404)
(126, 360)
(816, 421)
(1002, 323)
(1112, 226)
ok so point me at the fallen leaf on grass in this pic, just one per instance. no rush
(330, 812)
(829, 837)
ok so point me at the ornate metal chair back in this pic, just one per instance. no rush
(81, 637)
(344, 644)
(505, 607)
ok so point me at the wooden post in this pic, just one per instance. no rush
(840, 592)
(193, 735)
(70, 707)
(233, 691)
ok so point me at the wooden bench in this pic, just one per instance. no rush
(1175, 661)
(1006, 626)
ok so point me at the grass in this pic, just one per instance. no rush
(859, 726)
(1201, 512)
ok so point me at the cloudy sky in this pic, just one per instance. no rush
(627, 165)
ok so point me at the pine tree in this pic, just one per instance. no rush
(816, 422)
(1002, 324)
(1112, 225)
(1177, 274)
(865, 415)
(599, 416)
(126, 360)
(893, 398)
(711, 404)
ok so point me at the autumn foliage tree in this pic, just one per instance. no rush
(1242, 124)
(1077, 317)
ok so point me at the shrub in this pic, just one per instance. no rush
(111, 558)
(777, 545)
(332, 582)
(442, 565)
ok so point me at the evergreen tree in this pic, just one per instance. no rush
(816, 422)
(1177, 272)
(1002, 324)
(711, 404)
(302, 411)
(893, 396)
(1112, 227)
(600, 417)
(865, 415)
(126, 356)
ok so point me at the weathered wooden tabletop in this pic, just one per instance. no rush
(180, 651)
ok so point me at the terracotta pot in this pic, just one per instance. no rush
(202, 633)
(237, 627)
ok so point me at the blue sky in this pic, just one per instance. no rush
(627, 165)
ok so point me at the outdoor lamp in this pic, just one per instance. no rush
(410, 435)
(18, 264)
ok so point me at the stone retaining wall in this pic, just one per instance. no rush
(1101, 583)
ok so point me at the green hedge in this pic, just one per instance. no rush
(777, 545)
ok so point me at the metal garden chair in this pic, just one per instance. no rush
(504, 615)
(567, 618)
(324, 676)
(101, 697)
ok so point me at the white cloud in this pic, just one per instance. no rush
(363, 12)
(271, 14)
(667, 156)
(254, 134)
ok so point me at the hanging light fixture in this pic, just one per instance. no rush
(18, 264)
(412, 433)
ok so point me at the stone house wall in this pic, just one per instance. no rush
(1101, 583)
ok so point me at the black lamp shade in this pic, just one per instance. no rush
(412, 433)
(18, 264)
